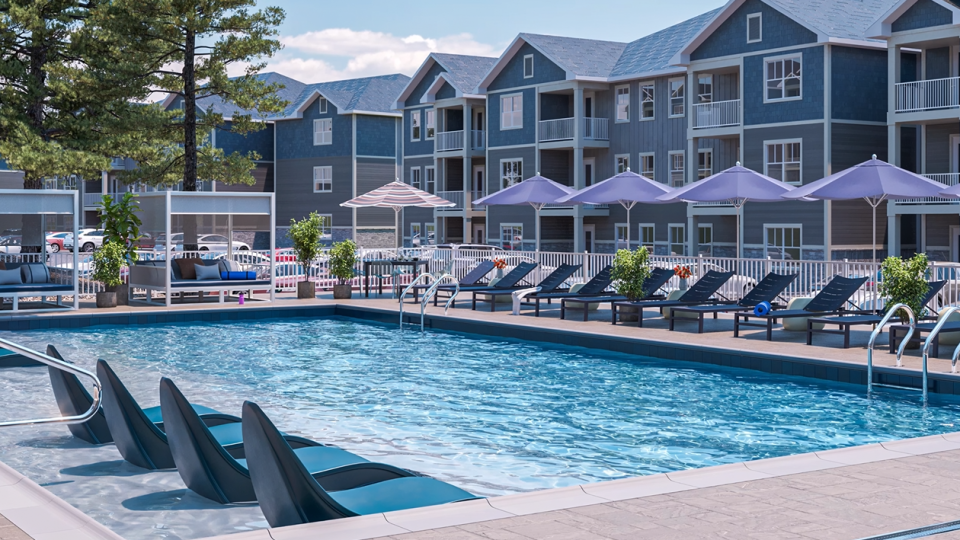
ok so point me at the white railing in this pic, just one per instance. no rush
(717, 114)
(928, 95)
(449, 140)
(596, 129)
(474, 195)
(560, 129)
(478, 139)
(455, 197)
(949, 179)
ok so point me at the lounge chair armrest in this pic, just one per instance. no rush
(518, 297)
(358, 475)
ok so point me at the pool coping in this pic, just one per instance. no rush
(549, 500)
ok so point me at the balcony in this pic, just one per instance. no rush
(931, 95)
(949, 179)
(449, 141)
(716, 115)
(561, 129)
(456, 197)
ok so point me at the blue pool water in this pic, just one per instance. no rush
(495, 416)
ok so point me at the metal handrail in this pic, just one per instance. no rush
(409, 287)
(941, 321)
(62, 366)
(432, 291)
(903, 344)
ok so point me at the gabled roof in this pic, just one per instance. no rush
(586, 59)
(290, 91)
(652, 54)
(463, 72)
(883, 27)
(372, 95)
(833, 21)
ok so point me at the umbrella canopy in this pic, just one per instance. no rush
(952, 192)
(397, 195)
(736, 185)
(535, 191)
(627, 188)
(873, 181)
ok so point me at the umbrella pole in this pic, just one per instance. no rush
(537, 207)
(874, 234)
(396, 224)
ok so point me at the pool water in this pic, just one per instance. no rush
(491, 416)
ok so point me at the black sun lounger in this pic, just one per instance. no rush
(828, 301)
(550, 283)
(658, 278)
(473, 278)
(769, 288)
(844, 323)
(212, 471)
(508, 281)
(73, 400)
(289, 495)
(699, 293)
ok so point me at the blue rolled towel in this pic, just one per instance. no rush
(238, 276)
(762, 309)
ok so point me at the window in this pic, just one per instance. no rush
(431, 173)
(415, 237)
(622, 230)
(783, 78)
(647, 166)
(754, 27)
(678, 239)
(326, 226)
(646, 236)
(431, 122)
(622, 163)
(323, 179)
(705, 88)
(677, 176)
(511, 172)
(528, 66)
(646, 101)
(323, 105)
(511, 112)
(782, 242)
(415, 177)
(705, 240)
(322, 131)
(704, 164)
(415, 126)
(623, 103)
(676, 97)
(783, 161)
(511, 236)
(431, 234)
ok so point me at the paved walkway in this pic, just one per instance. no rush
(9, 531)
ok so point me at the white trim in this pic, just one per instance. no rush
(750, 17)
(670, 169)
(512, 111)
(329, 181)
(856, 122)
(416, 125)
(616, 104)
(800, 246)
(500, 235)
(787, 124)
(525, 57)
(616, 163)
(711, 243)
(426, 179)
(777, 142)
(322, 105)
(419, 175)
(767, 60)
(426, 124)
(418, 156)
(640, 227)
(640, 86)
(700, 152)
(508, 147)
(318, 130)
(500, 173)
(640, 170)
(670, 242)
(375, 157)
(616, 235)
(648, 74)
(670, 97)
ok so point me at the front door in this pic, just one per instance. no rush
(589, 233)
(479, 177)
(479, 233)
(589, 170)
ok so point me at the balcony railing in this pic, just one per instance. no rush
(950, 179)
(561, 129)
(455, 197)
(447, 141)
(478, 139)
(928, 95)
(717, 114)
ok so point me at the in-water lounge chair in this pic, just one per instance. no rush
(699, 293)
(769, 288)
(289, 495)
(138, 433)
(508, 281)
(596, 295)
(73, 399)
(550, 283)
(845, 322)
(473, 278)
(208, 469)
(829, 301)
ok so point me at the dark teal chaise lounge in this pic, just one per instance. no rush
(474, 278)
(769, 288)
(700, 292)
(509, 281)
(73, 399)
(551, 283)
(657, 279)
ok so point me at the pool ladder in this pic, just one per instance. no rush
(429, 294)
(62, 366)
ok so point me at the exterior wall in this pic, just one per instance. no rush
(11, 180)
(779, 31)
(260, 142)
(446, 92)
(554, 106)
(852, 144)
(416, 215)
(852, 72)
(295, 137)
(852, 225)
(421, 146)
(510, 214)
(557, 165)
(938, 147)
(508, 137)
(809, 108)
(661, 135)
(295, 196)
(938, 236)
(938, 63)
(923, 14)
(433, 72)
(263, 181)
(375, 136)
(511, 76)
(371, 174)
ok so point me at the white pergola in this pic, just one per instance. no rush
(250, 211)
(46, 202)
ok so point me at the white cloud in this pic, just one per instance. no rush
(367, 53)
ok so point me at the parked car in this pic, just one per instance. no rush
(11, 244)
(90, 239)
(60, 241)
(205, 242)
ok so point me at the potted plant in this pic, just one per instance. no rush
(904, 282)
(306, 246)
(630, 270)
(343, 258)
(121, 227)
(107, 263)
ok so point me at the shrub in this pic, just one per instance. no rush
(343, 257)
(904, 282)
(306, 240)
(121, 224)
(107, 263)
(630, 270)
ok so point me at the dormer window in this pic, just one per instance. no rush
(528, 66)
(323, 105)
(755, 28)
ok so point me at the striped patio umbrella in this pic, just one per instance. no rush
(398, 196)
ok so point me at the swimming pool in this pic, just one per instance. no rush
(491, 416)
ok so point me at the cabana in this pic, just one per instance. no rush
(43, 275)
(163, 215)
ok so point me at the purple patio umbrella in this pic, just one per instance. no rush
(627, 188)
(535, 191)
(873, 181)
(736, 185)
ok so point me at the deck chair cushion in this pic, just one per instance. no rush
(667, 312)
(578, 287)
(10, 277)
(35, 273)
(206, 273)
(186, 266)
(799, 324)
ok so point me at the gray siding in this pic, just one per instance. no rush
(295, 196)
(416, 215)
(854, 143)
(938, 63)
(852, 223)
(923, 14)
(938, 147)
(263, 181)
(372, 174)
(557, 165)
(938, 229)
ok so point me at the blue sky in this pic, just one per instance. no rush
(347, 39)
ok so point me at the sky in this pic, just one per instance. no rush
(346, 39)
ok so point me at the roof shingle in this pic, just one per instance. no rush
(582, 57)
(464, 72)
(653, 53)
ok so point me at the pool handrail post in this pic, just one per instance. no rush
(403, 295)
(273, 248)
(941, 321)
(62, 366)
(428, 294)
(903, 344)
